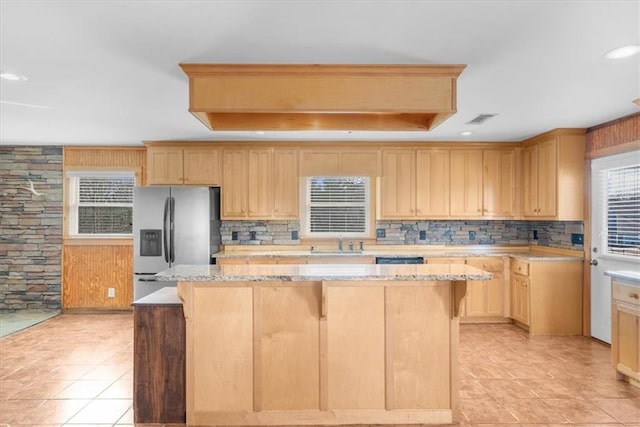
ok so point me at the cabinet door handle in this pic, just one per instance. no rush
(634, 295)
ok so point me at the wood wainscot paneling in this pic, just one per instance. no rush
(612, 137)
(91, 267)
(89, 271)
(132, 158)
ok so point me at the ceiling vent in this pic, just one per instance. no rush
(481, 118)
(259, 97)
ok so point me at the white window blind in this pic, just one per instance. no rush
(336, 206)
(101, 203)
(622, 210)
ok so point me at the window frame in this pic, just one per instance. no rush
(604, 243)
(305, 210)
(71, 202)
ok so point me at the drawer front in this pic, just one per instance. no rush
(626, 293)
(519, 266)
(486, 263)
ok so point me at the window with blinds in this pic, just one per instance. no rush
(622, 210)
(336, 206)
(101, 203)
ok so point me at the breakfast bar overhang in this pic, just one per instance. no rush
(322, 344)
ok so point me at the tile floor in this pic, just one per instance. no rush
(13, 322)
(76, 370)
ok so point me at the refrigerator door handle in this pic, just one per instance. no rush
(164, 230)
(172, 214)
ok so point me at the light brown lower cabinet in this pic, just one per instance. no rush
(484, 302)
(485, 298)
(625, 330)
(546, 296)
(265, 353)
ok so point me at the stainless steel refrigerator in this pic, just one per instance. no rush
(172, 225)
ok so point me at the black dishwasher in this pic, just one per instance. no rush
(400, 260)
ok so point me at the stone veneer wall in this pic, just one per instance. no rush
(547, 233)
(30, 228)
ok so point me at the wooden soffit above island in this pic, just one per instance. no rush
(240, 97)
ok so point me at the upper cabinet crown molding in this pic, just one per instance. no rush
(322, 97)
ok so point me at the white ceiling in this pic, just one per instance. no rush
(107, 71)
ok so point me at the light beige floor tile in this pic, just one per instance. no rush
(84, 389)
(580, 411)
(121, 389)
(485, 411)
(622, 409)
(533, 411)
(102, 411)
(54, 411)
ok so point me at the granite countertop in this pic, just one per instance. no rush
(527, 256)
(323, 272)
(630, 276)
(165, 296)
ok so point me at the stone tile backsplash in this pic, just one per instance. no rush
(260, 232)
(544, 233)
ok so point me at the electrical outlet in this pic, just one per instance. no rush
(380, 233)
(472, 235)
(252, 235)
(111, 292)
(294, 235)
(577, 239)
(423, 235)
(535, 234)
(234, 235)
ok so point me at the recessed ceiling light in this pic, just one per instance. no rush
(623, 52)
(12, 77)
(466, 133)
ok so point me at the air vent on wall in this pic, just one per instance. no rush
(481, 118)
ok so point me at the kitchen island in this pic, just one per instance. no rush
(322, 344)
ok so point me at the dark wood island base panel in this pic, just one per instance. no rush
(159, 365)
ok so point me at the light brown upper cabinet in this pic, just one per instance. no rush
(483, 183)
(260, 183)
(347, 162)
(285, 183)
(553, 176)
(498, 183)
(183, 166)
(414, 184)
(466, 183)
(235, 183)
(398, 184)
(164, 166)
(432, 183)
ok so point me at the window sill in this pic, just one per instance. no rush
(97, 241)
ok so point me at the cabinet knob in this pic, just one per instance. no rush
(634, 295)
